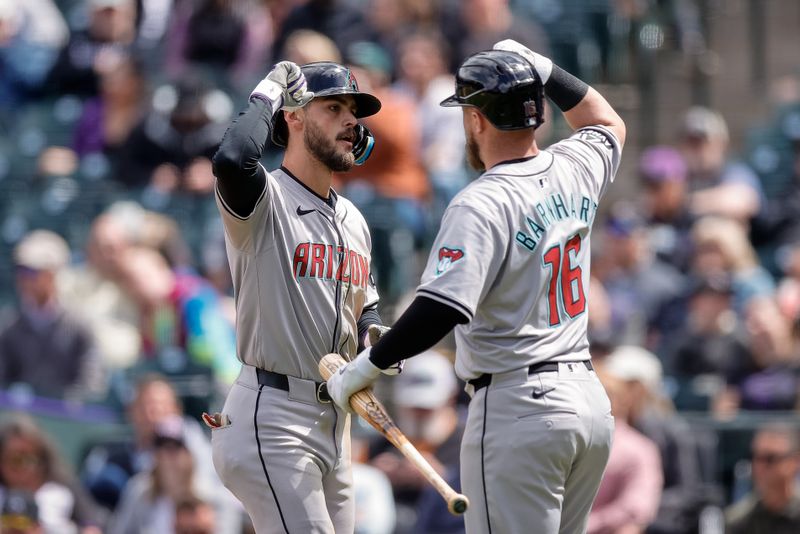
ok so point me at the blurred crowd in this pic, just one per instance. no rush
(115, 291)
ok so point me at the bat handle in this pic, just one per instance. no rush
(458, 504)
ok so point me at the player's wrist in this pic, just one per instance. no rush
(564, 89)
(270, 91)
(364, 367)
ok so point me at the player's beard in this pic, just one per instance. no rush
(473, 154)
(324, 150)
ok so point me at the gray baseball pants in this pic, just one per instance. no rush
(534, 451)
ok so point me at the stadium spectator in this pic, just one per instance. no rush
(170, 149)
(391, 189)
(630, 491)
(477, 24)
(712, 341)
(770, 379)
(774, 504)
(29, 462)
(149, 501)
(684, 493)
(717, 186)
(663, 173)
(109, 465)
(339, 20)
(308, 46)
(425, 410)
(720, 245)
(19, 513)
(423, 77)
(639, 285)
(45, 348)
(31, 34)
(110, 34)
(108, 119)
(181, 311)
(195, 516)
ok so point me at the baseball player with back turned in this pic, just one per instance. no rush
(300, 260)
(510, 271)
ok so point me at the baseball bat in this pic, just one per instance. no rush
(370, 408)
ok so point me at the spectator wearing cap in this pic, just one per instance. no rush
(651, 413)
(774, 505)
(149, 501)
(718, 185)
(29, 463)
(639, 285)
(45, 348)
(425, 410)
(663, 174)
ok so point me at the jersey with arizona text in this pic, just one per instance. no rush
(513, 255)
(301, 276)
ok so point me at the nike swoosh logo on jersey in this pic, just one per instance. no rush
(539, 394)
(302, 212)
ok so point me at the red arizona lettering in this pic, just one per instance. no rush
(300, 260)
(317, 261)
(364, 268)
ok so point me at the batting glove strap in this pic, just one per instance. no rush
(355, 376)
(284, 87)
(542, 65)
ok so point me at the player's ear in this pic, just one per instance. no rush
(294, 119)
(475, 121)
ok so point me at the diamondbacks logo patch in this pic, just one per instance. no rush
(447, 257)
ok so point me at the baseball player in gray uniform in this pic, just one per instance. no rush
(510, 271)
(300, 259)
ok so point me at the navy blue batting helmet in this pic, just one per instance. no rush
(326, 78)
(504, 86)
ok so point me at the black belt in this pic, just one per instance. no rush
(279, 381)
(543, 367)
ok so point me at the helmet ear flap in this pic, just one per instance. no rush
(363, 144)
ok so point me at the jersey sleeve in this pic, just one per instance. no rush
(596, 150)
(465, 259)
(243, 185)
(240, 228)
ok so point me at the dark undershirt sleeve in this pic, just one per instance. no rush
(240, 178)
(368, 317)
(422, 325)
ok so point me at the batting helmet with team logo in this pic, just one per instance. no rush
(326, 78)
(504, 86)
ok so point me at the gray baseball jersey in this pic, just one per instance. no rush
(301, 274)
(513, 254)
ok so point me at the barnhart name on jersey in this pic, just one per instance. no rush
(555, 208)
(318, 260)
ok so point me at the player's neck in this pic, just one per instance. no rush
(506, 150)
(310, 171)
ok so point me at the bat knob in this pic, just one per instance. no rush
(458, 505)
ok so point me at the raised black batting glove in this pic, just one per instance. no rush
(350, 378)
(542, 65)
(374, 333)
(363, 144)
(284, 87)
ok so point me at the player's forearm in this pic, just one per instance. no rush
(235, 164)
(581, 104)
(423, 324)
